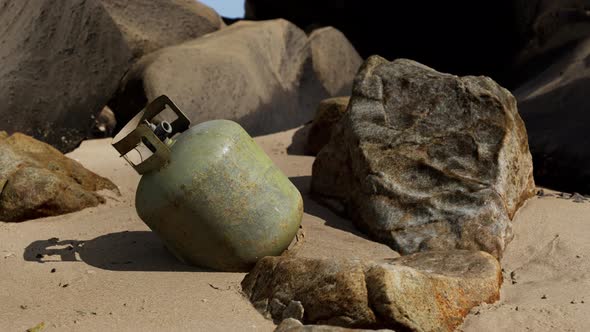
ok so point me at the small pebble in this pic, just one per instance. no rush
(544, 297)
(578, 198)
(53, 270)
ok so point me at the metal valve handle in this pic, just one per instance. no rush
(141, 130)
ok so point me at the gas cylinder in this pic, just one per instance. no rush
(209, 191)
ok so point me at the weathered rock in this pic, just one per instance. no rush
(293, 325)
(39, 181)
(61, 62)
(294, 310)
(554, 106)
(151, 25)
(429, 291)
(104, 124)
(329, 112)
(260, 74)
(335, 61)
(428, 161)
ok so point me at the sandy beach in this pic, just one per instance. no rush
(102, 269)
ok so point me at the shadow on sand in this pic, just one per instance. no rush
(123, 251)
(143, 251)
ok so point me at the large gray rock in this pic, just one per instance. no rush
(555, 106)
(36, 181)
(428, 161)
(430, 291)
(262, 74)
(61, 61)
(151, 25)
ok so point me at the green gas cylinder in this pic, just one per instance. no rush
(209, 191)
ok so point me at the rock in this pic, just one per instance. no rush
(578, 198)
(260, 74)
(428, 161)
(149, 26)
(293, 325)
(450, 36)
(293, 310)
(329, 112)
(39, 181)
(104, 124)
(335, 61)
(431, 291)
(61, 62)
(554, 105)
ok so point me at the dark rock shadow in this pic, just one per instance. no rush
(297, 147)
(123, 251)
(557, 126)
(332, 219)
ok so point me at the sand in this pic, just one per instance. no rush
(118, 276)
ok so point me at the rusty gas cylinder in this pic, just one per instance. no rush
(209, 191)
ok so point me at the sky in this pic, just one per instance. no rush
(227, 8)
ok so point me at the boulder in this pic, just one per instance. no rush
(150, 25)
(428, 161)
(293, 325)
(260, 74)
(430, 291)
(36, 181)
(554, 105)
(335, 61)
(61, 61)
(329, 112)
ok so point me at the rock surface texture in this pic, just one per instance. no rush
(263, 75)
(61, 61)
(335, 61)
(329, 112)
(428, 161)
(150, 25)
(430, 291)
(37, 181)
